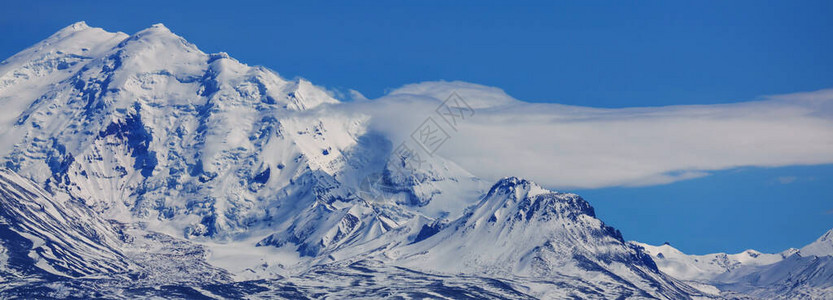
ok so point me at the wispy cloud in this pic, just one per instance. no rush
(579, 147)
(786, 179)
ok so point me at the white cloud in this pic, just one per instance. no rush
(579, 147)
(786, 179)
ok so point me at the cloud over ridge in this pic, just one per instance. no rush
(580, 147)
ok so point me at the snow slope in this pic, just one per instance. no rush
(67, 239)
(704, 267)
(793, 273)
(823, 246)
(52, 238)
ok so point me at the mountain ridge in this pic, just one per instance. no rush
(791, 273)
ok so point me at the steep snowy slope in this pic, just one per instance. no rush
(47, 238)
(68, 239)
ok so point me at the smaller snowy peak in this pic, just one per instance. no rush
(703, 268)
(528, 200)
(821, 247)
(79, 32)
(78, 39)
(509, 184)
(75, 27)
(520, 228)
(80, 25)
(304, 95)
(157, 34)
(521, 187)
(789, 252)
(37, 71)
(160, 26)
(157, 28)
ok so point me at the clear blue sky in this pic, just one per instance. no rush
(766, 209)
(604, 54)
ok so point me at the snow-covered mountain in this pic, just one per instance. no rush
(524, 230)
(793, 273)
(704, 267)
(139, 166)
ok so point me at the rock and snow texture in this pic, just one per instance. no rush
(137, 161)
(67, 239)
(524, 230)
(49, 238)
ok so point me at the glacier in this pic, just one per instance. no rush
(138, 166)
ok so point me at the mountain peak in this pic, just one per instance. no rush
(157, 30)
(80, 25)
(510, 184)
(159, 26)
(823, 246)
(519, 187)
(75, 28)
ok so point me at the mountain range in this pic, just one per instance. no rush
(140, 166)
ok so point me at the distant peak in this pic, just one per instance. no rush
(159, 26)
(156, 32)
(74, 27)
(80, 25)
(510, 182)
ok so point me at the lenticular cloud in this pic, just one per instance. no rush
(581, 147)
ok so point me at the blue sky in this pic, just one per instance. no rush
(578, 52)
(766, 209)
